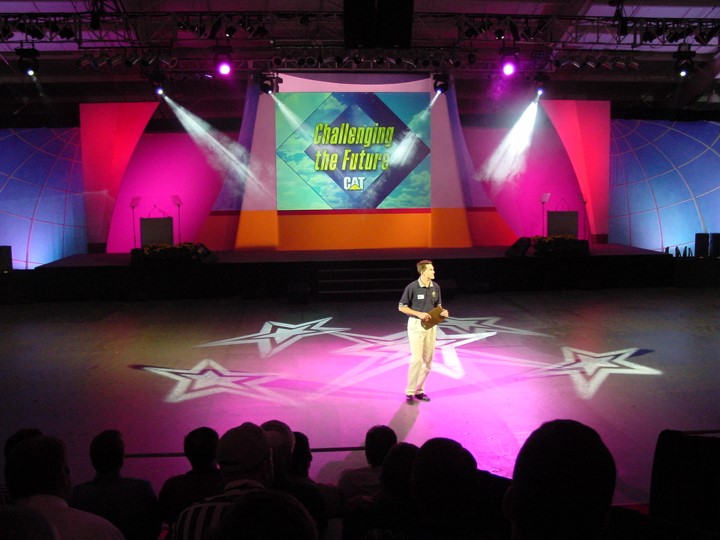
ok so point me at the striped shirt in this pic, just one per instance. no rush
(199, 519)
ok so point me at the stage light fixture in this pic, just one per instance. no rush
(269, 84)
(117, 59)
(85, 60)
(260, 31)
(230, 31)
(540, 79)
(509, 61)
(649, 35)
(619, 16)
(222, 59)
(470, 31)
(28, 60)
(441, 83)
(66, 32)
(683, 60)
(132, 59)
(6, 32)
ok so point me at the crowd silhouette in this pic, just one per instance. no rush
(252, 482)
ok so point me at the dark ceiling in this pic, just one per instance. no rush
(97, 51)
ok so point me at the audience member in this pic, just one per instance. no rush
(366, 480)
(23, 523)
(201, 481)
(562, 485)
(282, 442)
(245, 458)
(300, 472)
(264, 515)
(392, 509)
(38, 477)
(11, 441)
(445, 484)
(129, 503)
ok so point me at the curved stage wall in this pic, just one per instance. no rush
(647, 184)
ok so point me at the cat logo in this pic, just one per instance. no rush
(354, 183)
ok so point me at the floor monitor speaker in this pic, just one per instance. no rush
(714, 245)
(519, 248)
(702, 243)
(5, 259)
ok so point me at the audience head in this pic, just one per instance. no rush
(37, 465)
(107, 451)
(264, 513)
(200, 446)
(282, 442)
(301, 457)
(563, 483)
(378, 441)
(244, 452)
(444, 477)
(18, 436)
(396, 475)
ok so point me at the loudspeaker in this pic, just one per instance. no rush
(5, 259)
(377, 23)
(394, 23)
(562, 223)
(714, 245)
(702, 243)
(519, 248)
(156, 231)
(359, 24)
(685, 478)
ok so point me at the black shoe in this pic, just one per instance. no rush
(409, 400)
(422, 397)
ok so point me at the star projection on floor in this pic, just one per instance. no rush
(588, 370)
(457, 345)
(208, 378)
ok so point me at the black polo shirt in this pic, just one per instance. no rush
(421, 298)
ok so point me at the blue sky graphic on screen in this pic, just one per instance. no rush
(339, 150)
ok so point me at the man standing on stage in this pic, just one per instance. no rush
(418, 299)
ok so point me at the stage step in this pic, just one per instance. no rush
(358, 281)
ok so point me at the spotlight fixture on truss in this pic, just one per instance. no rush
(441, 83)
(28, 60)
(683, 60)
(619, 16)
(509, 62)
(222, 59)
(269, 84)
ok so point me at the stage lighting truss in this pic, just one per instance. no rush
(608, 62)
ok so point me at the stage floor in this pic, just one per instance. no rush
(628, 362)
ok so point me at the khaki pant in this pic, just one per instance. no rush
(422, 349)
